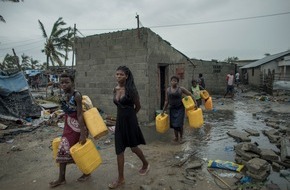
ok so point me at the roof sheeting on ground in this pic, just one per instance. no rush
(266, 60)
(32, 73)
(13, 83)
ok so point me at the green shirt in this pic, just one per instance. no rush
(196, 92)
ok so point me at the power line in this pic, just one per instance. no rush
(204, 22)
(19, 41)
(225, 20)
(21, 45)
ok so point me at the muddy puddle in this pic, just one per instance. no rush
(211, 142)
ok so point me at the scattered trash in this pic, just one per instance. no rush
(107, 141)
(10, 141)
(60, 125)
(112, 129)
(225, 165)
(15, 148)
(229, 148)
(2, 126)
(129, 164)
(28, 119)
(245, 179)
(231, 175)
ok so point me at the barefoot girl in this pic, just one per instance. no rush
(74, 129)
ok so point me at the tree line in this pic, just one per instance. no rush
(58, 43)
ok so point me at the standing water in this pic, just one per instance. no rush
(211, 142)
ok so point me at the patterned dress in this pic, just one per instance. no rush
(71, 132)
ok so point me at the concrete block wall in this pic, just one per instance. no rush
(97, 59)
(214, 73)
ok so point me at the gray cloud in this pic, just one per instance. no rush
(246, 39)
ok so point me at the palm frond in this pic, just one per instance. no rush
(42, 29)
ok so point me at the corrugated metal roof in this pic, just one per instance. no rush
(266, 60)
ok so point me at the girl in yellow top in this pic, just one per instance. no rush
(195, 90)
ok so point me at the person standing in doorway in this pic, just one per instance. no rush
(173, 98)
(127, 131)
(230, 85)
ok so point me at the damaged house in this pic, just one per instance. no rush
(16, 101)
(151, 59)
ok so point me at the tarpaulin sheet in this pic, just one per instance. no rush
(13, 83)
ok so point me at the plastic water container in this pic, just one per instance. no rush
(195, 118)
(86, 157)
(188, 102)
(204, 94)
(95, 123)
(162, 123)
(208, 104)
(55, 144)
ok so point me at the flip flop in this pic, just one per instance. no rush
(56, 183)
(116, 184)
(144, 171)
(84, 177)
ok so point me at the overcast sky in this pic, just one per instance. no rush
(202, 29)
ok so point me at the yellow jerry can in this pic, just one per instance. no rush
(195, 118)
(188, 102)
(86, 157)
(95, 123)
(204, 94)
(208, 104)
(55, 145)
(162, 123)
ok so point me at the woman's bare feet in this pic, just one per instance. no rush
(57, 183)
(84, 177)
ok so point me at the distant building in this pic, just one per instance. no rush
(269, 71)
(214, 73)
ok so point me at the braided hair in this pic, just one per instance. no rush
(130, 88)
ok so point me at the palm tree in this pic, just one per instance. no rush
(25, 62)
(35, 64)
(56, 42)
(8, 63)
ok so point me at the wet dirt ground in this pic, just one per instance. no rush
(31, 166)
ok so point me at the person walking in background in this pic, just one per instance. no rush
(195, 90)
(201, 80)
(74, 128)
(237, 77)
(246, 78)
(230, 84)
(173, 98)
(127, 131)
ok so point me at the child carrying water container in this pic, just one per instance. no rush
(195, 89)
(74, 129)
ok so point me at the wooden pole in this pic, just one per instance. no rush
(138, 23)
(73, 52)
(215, 175)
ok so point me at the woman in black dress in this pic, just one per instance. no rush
(127, 131)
